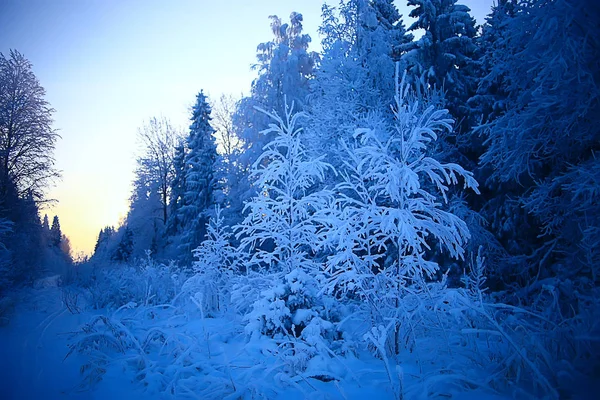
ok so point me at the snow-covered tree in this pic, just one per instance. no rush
(281, 218)
(27, 139)
(445, 56)
(124, 250)
(158, 139)
(105, 244)
(228, 142)
(355, 75)
(542, 137)
(390, 200)
(45, 223)
(200, 180)
(55, 232)
(280, 229)
(145, 215)
(216, 262)
(284, 68)
(177, 189)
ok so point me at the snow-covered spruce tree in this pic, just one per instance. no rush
(445, 56)
(280, 232)
(177, 190)
(390, 200)
(124, 250)
(216, 261)
(200, 180)
(145, 215)
(55, 232)
(542, 144)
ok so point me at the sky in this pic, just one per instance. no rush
(109, 65)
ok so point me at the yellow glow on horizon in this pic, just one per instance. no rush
(79, 220)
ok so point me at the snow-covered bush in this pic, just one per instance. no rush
(143, 282)
(214, 268)
(139, 339)
(287, 307)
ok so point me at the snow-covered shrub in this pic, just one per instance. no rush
(139, 339)
(213, 270)
(293, 312)
(287, 307)
(144, 282)
(389, 203)
(464, 339)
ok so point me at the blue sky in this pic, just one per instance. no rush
(109, 65)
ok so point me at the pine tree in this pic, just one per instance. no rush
(55, 232)
(177, 189)
(103, 243)
(200, 180)
(445, 56)
(542, 138)
(145, 216)
(124, 250)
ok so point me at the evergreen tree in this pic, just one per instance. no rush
(145, 216)
(55, 232)
(45, 223)
(177, 189)
(542, 138)
(200, 180)
(124, 250)
(104, 241)
(445, 56)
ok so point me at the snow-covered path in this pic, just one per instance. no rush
(33, 346)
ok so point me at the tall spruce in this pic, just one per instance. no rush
(445, 56)
(55, 232)
(200, 178)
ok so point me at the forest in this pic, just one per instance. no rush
(411, 212)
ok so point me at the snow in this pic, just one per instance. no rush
(211, 357)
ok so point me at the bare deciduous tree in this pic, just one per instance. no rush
(227, 139)
(158, 139)
(27, 139)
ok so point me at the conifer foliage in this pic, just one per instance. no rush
(200, 165)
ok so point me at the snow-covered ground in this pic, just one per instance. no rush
(168, 352)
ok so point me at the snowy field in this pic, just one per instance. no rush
(57, 345)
